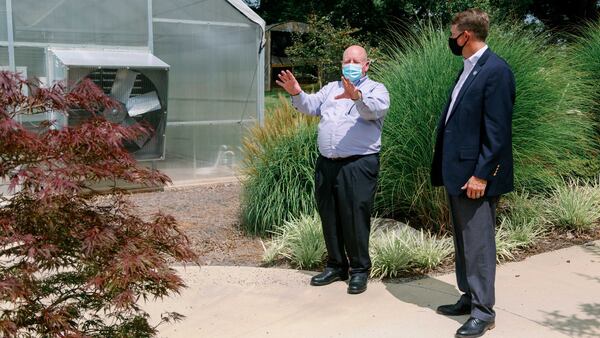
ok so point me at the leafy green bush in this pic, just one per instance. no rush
(552, 130)
(300, 241)
(575, 205)
(279, 169)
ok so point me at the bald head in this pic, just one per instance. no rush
(356, 55)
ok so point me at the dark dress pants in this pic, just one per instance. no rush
(345, 190)
(474, 224)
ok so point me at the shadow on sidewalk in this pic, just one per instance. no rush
(428, 293)
(592, 248)
(585, 325)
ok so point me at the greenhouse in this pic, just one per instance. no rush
(192, 69)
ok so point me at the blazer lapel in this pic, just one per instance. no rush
(476, 70)
(442, 120)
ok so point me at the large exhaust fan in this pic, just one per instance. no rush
(137, 81)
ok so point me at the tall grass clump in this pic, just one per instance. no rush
(522, 208)
(512, 235)
(393, 250)
(586, 55)
(575, 205)
(552, 127)
(300, 241)
(522, 223)
(278, 168)
(405, 250)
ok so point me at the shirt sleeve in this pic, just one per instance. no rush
(310, 104)
(374, 104)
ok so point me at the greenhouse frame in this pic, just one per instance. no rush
(202, 63)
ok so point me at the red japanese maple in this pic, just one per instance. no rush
(74, 262)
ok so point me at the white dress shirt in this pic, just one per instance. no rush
(347, 127)
(469, 64)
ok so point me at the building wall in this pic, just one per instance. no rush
(213, 51)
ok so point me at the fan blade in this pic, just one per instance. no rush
(140, 141)
(121, 88)
(142, 104)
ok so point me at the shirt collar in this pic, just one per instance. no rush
(362, 80)
(475, 57)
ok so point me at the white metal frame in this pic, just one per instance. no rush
(11, 36)
(11, 44)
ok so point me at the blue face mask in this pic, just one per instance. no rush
(352, 72)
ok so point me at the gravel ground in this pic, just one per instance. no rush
(210, 217)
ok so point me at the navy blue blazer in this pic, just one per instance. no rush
(477, 140)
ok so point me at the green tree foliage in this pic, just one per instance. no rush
(564, 14)
(322, 46)
(375, 18)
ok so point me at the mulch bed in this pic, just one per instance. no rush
(209, 215)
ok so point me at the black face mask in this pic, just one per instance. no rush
(454, 47)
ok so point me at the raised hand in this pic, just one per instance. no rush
(350, 91)
(288, 82)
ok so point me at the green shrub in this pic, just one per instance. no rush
(522, 208)
(521, 224)
(586, 55)
(575, 205)
(403, 250)
(512, 235)
(279, 169)
(299, 241)
(552, 131)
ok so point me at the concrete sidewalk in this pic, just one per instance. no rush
(555, 294)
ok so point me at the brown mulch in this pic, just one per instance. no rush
(556, 240)
(209, 215)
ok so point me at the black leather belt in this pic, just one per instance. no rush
(348, 158)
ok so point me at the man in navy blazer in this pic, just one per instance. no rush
(473, 161)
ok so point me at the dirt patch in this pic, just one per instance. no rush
(209, 215)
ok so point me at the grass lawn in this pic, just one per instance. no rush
(272, 96)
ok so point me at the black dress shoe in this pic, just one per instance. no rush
(458, 309)
(358, 283)
(474, 328)
(329, 276)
